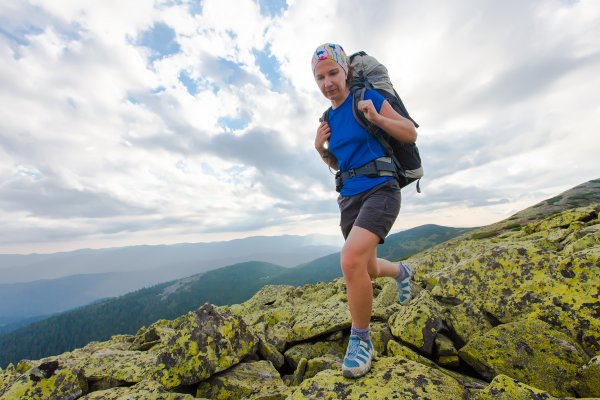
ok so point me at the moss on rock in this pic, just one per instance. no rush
(48, 380)
(251, 380)
(588, 379)
(204, 342)
(418, 323)
(505, 388)
(389, 378)
(145, 390)
(529, 351)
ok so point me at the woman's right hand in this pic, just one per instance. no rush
(323, 133)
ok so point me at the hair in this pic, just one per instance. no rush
(350, 75)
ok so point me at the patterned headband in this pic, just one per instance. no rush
(330, 51)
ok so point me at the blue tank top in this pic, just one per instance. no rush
(353, 146)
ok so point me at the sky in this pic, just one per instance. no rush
(159, 122)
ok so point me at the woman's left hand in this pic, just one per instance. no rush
(367, 107)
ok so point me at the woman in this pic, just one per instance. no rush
(369, 205)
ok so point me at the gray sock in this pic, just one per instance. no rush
(363, 334)
(402, 273)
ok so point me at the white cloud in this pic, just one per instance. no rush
(102, 143)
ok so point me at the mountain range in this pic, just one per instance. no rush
(227, 285)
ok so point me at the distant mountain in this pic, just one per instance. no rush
(180, 259)
(133, 268)
(229, 285)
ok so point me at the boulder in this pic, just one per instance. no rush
(253, 380)
(7, 377)
(202, 343)
(397, 350)
(48, 380)
(447, 355)
(418, 323)
(529, 351)
(389, 378)
(547, 270)
(465, 321)
(309, 351)
(318, 364)
(588, 379)
(145, 390)
(505, 388)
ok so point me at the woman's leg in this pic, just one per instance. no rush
(378, 267)
(357, 254)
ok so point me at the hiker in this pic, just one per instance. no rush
(369, 205)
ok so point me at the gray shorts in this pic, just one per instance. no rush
(374, 210)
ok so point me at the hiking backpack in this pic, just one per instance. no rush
(371, 74)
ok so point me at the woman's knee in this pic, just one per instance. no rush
(351, 261)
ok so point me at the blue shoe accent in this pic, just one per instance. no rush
(404, 290)
(359, 355)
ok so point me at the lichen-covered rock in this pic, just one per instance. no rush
(418, 323)
(397, 350)
(446, 353)
(203, 343)
(309, 351)
(7, 377)
(296, 378)
(145, 390)
(318, 364)
(529, 351)
(122, 365)
(327, 312)
(588, 379)
(49, 381)
(254, 380)
(548, 270)
(389, 378)
(505, 388)
(380, 336)
(466, 321)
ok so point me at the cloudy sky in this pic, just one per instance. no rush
(146, 122)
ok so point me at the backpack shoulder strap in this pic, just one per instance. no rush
(358, 94)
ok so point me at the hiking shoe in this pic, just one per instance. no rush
(404, 290)
(359, 356)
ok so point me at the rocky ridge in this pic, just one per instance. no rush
(510, 311)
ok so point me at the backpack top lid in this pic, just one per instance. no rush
(377, 74)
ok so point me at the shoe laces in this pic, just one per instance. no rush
(353, 347)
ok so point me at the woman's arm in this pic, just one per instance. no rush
(323, 133)
(389, 120)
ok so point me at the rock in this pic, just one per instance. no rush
(505, 388)
(389, 378)
(203, 343)
(254, 380)
(447, 354)
(145, 390)
(119, 365)
(7, 377)
(418, 323)
(397, 350)
(588, 379)
(318, 364)
(548, 270)
(326, 313)
(270, 353)
(49, 380)
(309, 351)
(296, 378)
(380, 336)
(465, 321)
(529, 351)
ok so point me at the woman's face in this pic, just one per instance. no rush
(331, 79)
